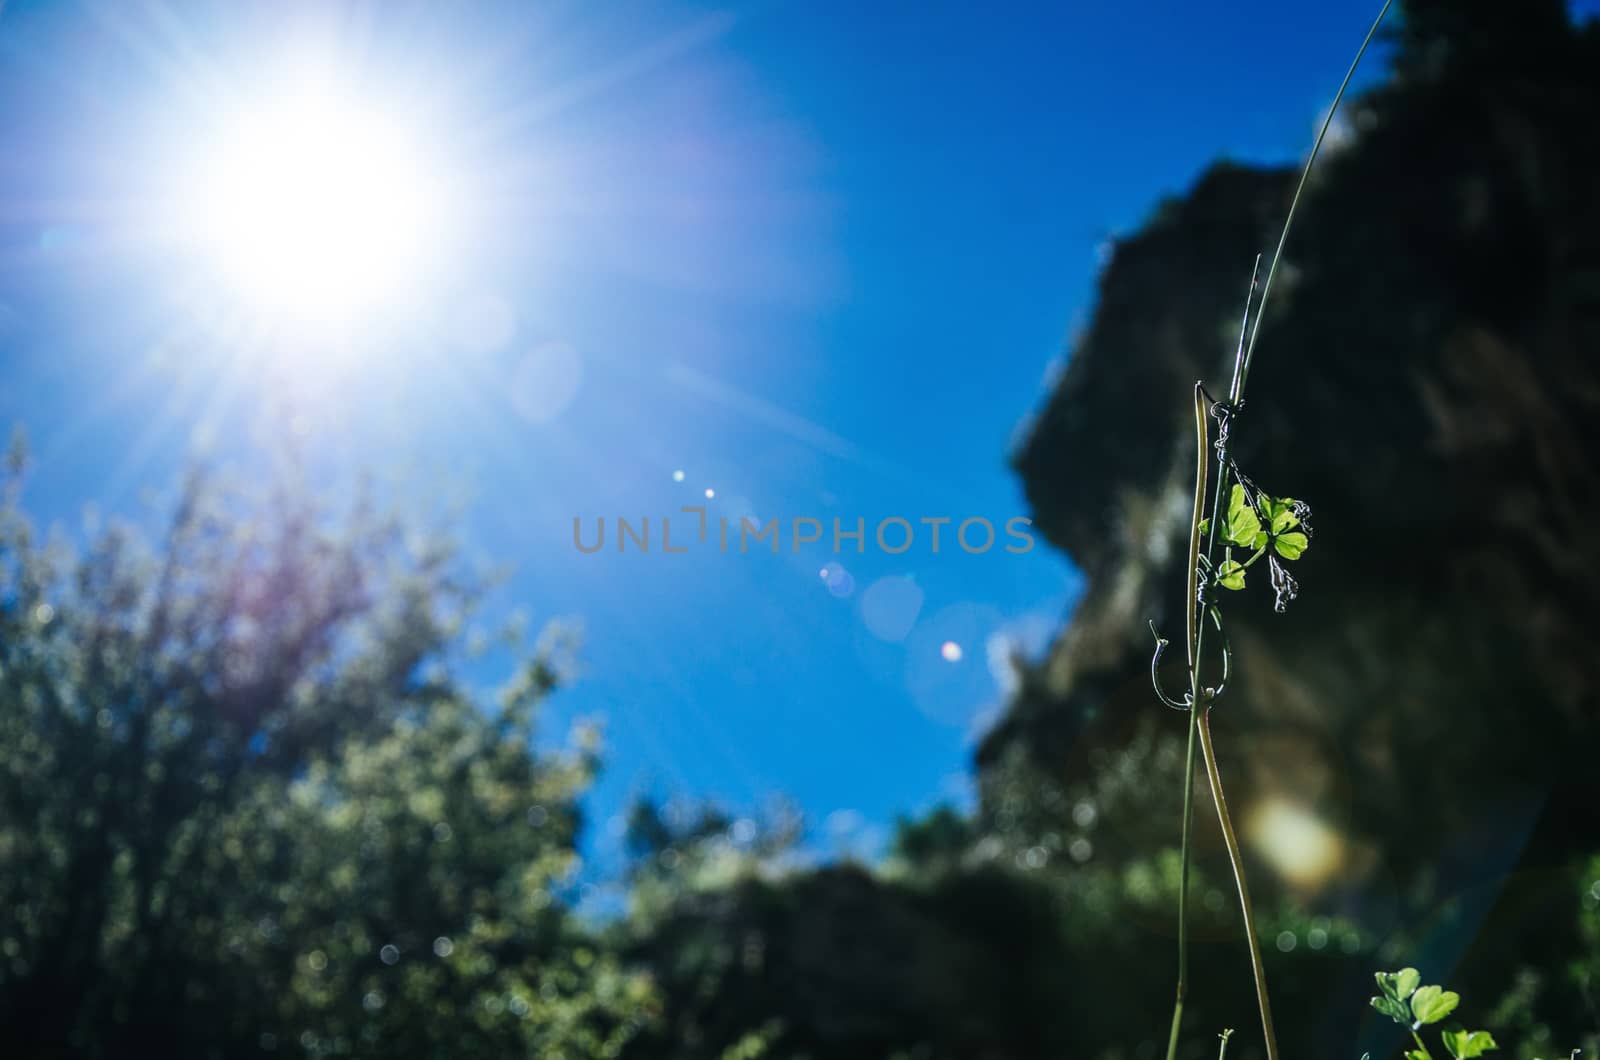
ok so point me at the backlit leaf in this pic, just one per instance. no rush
(1395, 1010)
(1243, 526)
(1464, 1044)
(1430, 1004)
(1292, 545)
(1399, 985)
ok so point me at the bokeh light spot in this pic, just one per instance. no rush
(890, 607)
(839, 581)
(1295, 842)
(545, 381)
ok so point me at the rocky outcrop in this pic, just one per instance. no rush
(1428, 377)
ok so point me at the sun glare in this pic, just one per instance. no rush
(318, 208)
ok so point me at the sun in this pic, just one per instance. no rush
(315, 207)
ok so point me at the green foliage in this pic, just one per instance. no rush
(1290, 546)
(250, 805)
(1399, 986)
(1243, 526)
(1430, 1004)
(1464, 1044)
(753, 1045)
(1255, 521)
(1395, 1010)
(1402, 999)
(1230, 575)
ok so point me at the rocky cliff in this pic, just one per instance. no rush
(1428, 378)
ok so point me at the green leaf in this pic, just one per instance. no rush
(1291, 546)
(1205, 527)
(1430, 1004)
(1464, 1044)
(1231, 574)
(1395, 1010)
(1243, 526)
(1260, 541)
(1236, 501)
(1417, 1054)
(1399, 985)
(1282, 518)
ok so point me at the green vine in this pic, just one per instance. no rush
(1257, 523)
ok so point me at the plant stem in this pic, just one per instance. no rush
(1237, 859)
(1191, 611)
(1242, 370)
(1194, 640)
(1418, 1039)
(1183, 889)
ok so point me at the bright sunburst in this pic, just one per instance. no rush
(316, 207)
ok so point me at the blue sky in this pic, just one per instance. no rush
(822, 258)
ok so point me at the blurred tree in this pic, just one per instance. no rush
(249, 807)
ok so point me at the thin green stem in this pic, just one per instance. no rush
(1177, 1023)
(1222, 1050)
(1242, 372)
(1191, 611)
(1237, 859)
(1420, 1045)
(1195, 638)
(1183, 890)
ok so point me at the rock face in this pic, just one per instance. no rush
(1428, 378)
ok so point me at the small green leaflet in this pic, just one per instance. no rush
(1231, 574)
(1395, 1010)
(1396, 987)
(1244, 526)
(1399, 985)
(1290, 546)
(1464, 1044)
(1430, 1004)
